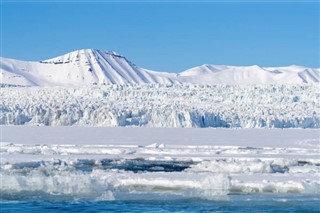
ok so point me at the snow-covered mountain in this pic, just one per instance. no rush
(221, 74)
(90, 66)
(81, 67)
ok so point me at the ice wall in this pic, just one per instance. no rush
(156, 105)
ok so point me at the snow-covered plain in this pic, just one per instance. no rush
(90, 66)
(99, 163)
(159, 105)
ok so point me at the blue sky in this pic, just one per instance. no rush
(166, 36)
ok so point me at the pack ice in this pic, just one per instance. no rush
(81, 163)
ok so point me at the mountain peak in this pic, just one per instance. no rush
(81, 55)
(114, 53)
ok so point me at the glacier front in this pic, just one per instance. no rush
(161, 105)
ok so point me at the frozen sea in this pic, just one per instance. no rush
(100, 169)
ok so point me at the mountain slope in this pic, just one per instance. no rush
(89, 66)
(220, 74)
(81, 67)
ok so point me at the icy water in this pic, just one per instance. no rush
(233, 203)
(159, 170)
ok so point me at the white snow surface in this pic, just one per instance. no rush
(78, 68)
(159, 105)
(94, 99)
(99, 163)
(91, 66)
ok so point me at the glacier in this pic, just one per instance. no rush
(225, 130)
(162, 105)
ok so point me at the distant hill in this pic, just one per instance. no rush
(91, 67)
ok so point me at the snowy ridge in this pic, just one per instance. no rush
(91, 66)
(220, 74)
(156, 105)
(81, 67)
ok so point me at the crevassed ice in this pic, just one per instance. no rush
(156, 105)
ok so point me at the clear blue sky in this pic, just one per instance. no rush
(166, 36)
